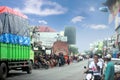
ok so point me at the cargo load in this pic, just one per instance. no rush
(14, 42)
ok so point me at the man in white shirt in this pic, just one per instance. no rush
(96, 66)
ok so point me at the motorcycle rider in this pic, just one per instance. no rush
(96, 66)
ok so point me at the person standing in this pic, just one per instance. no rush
(109, 71)
(68, 60)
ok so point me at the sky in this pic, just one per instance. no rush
(91, 24)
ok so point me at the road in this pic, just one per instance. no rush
(73, 71)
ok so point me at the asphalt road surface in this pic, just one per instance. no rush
(73, 71)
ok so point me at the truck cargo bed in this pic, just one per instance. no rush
(14, 52)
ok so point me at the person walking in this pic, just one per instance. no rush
(68, 61)
(109, 71)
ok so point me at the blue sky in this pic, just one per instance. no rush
(91, 24)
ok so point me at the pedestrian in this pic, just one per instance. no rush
(104, 67)
(109, 71)
(68, 60)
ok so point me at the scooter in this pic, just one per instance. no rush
(90, 75)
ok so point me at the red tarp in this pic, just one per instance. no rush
(5, 9)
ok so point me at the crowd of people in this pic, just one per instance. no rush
(53, 60)
(50, 60)
(104, 65)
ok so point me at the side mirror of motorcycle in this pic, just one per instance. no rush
(84, 67)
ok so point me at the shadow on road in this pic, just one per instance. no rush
(11, 74)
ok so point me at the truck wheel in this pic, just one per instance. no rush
(29, 68)
(3, 71)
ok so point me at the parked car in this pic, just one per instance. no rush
(116, 62)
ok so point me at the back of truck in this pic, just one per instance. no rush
(14, 42)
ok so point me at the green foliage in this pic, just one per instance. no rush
(98, 52)
(73, 50)
(87, 52)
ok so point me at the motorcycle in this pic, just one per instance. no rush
(91, 75)
(38, 65)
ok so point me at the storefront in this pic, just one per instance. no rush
(118, 36)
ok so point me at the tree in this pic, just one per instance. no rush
(73, 50)
(98, 52)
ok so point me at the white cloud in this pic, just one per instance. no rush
(42, 22)
(42, 8)
(97, 27)
(77, 19)
(92, 9)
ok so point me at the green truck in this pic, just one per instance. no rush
(15, 46)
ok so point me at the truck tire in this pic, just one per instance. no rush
(29, 68)
(3, 71)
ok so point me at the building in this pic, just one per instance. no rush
(60, 47)
(44, 37)
(70, 32)
(114, 8)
